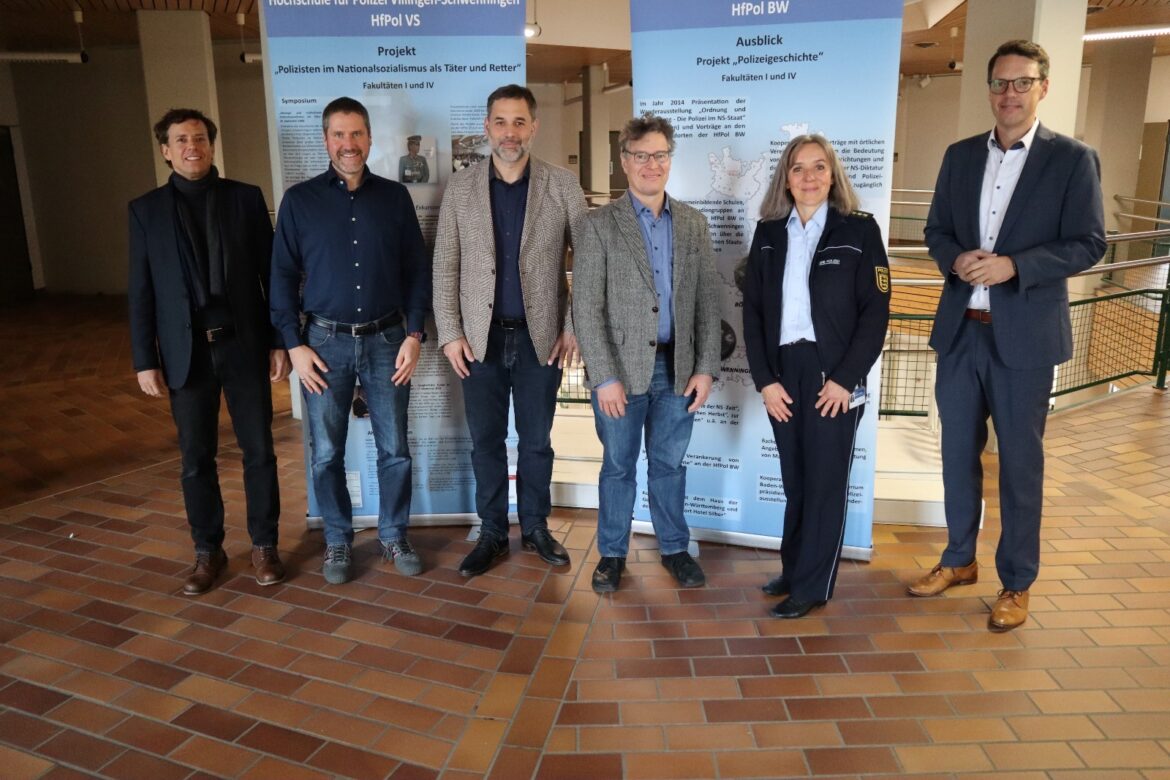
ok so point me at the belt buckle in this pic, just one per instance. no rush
(210, 333)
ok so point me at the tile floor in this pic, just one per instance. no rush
(105, 670)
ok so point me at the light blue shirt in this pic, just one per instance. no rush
(658, 236)
(796, 307)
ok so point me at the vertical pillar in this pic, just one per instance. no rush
(1057, 25)
(1115, 118)
(595, 130)
(179, 68)
(10, 116)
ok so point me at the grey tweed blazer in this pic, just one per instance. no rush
(465, 256)
(614, 301)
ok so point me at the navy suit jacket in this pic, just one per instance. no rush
(1054, 227)
(160, 305)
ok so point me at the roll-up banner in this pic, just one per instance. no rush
(738, 80)
(423, 70)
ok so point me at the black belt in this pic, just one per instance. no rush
(361, 328)
(218, 334)
(509, 324)
(797, 343)
(979, 315)
(664, 346)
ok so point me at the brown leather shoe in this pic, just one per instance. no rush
(1010, 610)
(942, 577)
(208, 567)
(266, 562)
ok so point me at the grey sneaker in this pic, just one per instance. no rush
(335, 569)
(406, 560)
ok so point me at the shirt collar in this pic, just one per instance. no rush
(493, 175)
(1024, 143)
(641, 208)
(333, 179)
(818, 217)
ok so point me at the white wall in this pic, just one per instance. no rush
(243, 122)
(927, 124)
(1158, 100)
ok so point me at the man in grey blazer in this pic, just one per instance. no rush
(1015, 213)
(646, 308)
(502, 310)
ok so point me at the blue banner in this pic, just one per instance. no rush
(423, 69)
(738, 80)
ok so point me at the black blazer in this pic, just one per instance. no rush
(160, 308)
(1053, 228)
(849, 289)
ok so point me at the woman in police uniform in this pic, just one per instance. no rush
(816, 301)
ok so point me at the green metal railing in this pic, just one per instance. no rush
(1116, 336)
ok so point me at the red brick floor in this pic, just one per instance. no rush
(105, 670)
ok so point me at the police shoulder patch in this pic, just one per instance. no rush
(882, 275)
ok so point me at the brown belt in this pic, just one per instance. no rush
(979, 315)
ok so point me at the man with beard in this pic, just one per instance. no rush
(200, 247)
(502, 312)
(354, 238)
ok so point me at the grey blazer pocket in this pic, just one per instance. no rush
(617, 337)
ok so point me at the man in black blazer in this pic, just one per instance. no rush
(200, 249)
(1015, 213)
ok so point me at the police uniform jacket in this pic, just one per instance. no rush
(849, 291)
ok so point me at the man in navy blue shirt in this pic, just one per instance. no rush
(355, 239)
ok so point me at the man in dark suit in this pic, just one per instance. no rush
(1015, 213)
(200, 249)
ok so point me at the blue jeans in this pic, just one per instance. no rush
(510, 367)
(370, 359)
(667, 423)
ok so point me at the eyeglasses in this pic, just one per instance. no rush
(644, 157)
(1022, 84)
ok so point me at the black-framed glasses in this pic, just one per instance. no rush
(1021, 85)
(644, 157)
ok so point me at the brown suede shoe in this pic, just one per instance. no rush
(266, 562)
(942, 577)
(208, 567)
(1010, 610)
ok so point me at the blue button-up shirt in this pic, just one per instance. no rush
(509, 202)
(361, 254)
(658, 236)
(796, 307)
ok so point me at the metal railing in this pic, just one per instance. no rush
(1116, 336)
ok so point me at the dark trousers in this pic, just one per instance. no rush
(973, 383)
(510, 369)
(242, 376)
(816, 454)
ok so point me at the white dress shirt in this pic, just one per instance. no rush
(1000, 176)
(796, 307)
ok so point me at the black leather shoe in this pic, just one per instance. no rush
(486, 550)
(608, 575)
(795, 608)
(777, 587)
(548, 548)
(685, 569)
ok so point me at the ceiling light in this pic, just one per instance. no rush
(1118, 33)
(531, 30)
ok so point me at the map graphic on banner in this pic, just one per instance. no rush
(423, 70)
(738, 81)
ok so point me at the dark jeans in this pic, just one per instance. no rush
(370, 359)
(663, 418)
(243, 378)
(510, 367)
